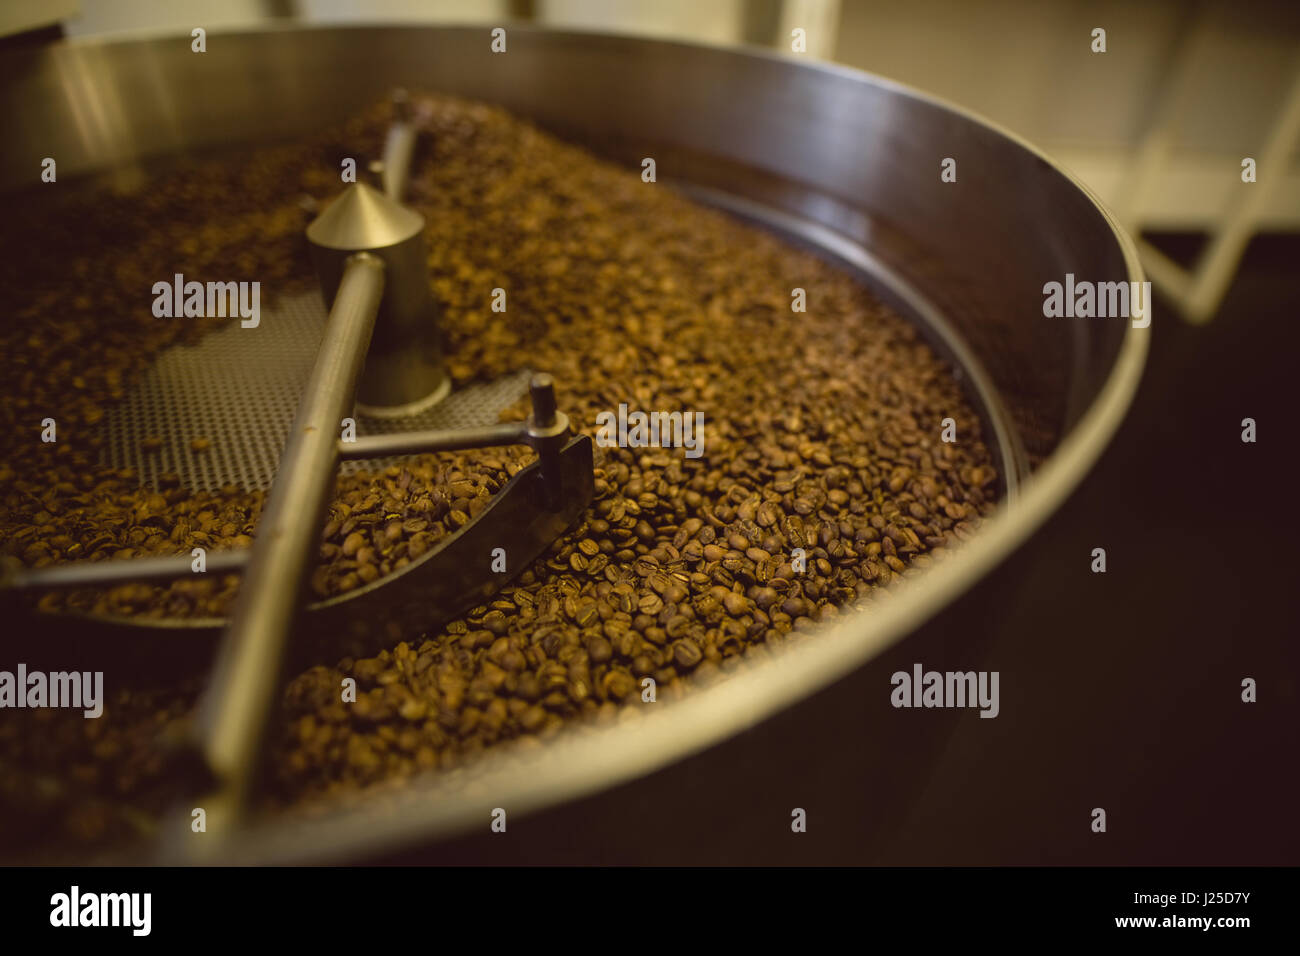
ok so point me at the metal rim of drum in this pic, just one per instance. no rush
(40, 89)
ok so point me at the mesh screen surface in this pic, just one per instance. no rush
(239, 390)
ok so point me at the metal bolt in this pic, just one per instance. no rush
(542, 389)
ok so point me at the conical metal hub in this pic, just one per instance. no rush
(363, 219)
(403, 372)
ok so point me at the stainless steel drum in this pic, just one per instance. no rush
(843, 161)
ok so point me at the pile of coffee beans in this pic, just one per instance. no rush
(821, 433)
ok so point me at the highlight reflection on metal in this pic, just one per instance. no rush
(847, 151)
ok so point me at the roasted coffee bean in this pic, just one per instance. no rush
(617, 684)
(736, 604)
(687, 654)
(599, 650)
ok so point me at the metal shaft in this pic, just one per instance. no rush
(94, 574)
(399, 147)
(423, 442)
(234, 712)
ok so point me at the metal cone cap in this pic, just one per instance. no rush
(362, 218)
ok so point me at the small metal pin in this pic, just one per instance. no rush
(542, 390)
(548, 430)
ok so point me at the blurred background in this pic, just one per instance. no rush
(1157, 125)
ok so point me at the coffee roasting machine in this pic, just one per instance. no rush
(835, 160)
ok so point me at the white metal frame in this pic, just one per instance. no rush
(1198, 292)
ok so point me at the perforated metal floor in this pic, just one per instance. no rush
(239, 388)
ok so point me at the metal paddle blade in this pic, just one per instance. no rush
(455, 575)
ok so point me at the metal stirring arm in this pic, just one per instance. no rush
(369, 254)
(551, 442)
(451, 577)
(236, 707)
